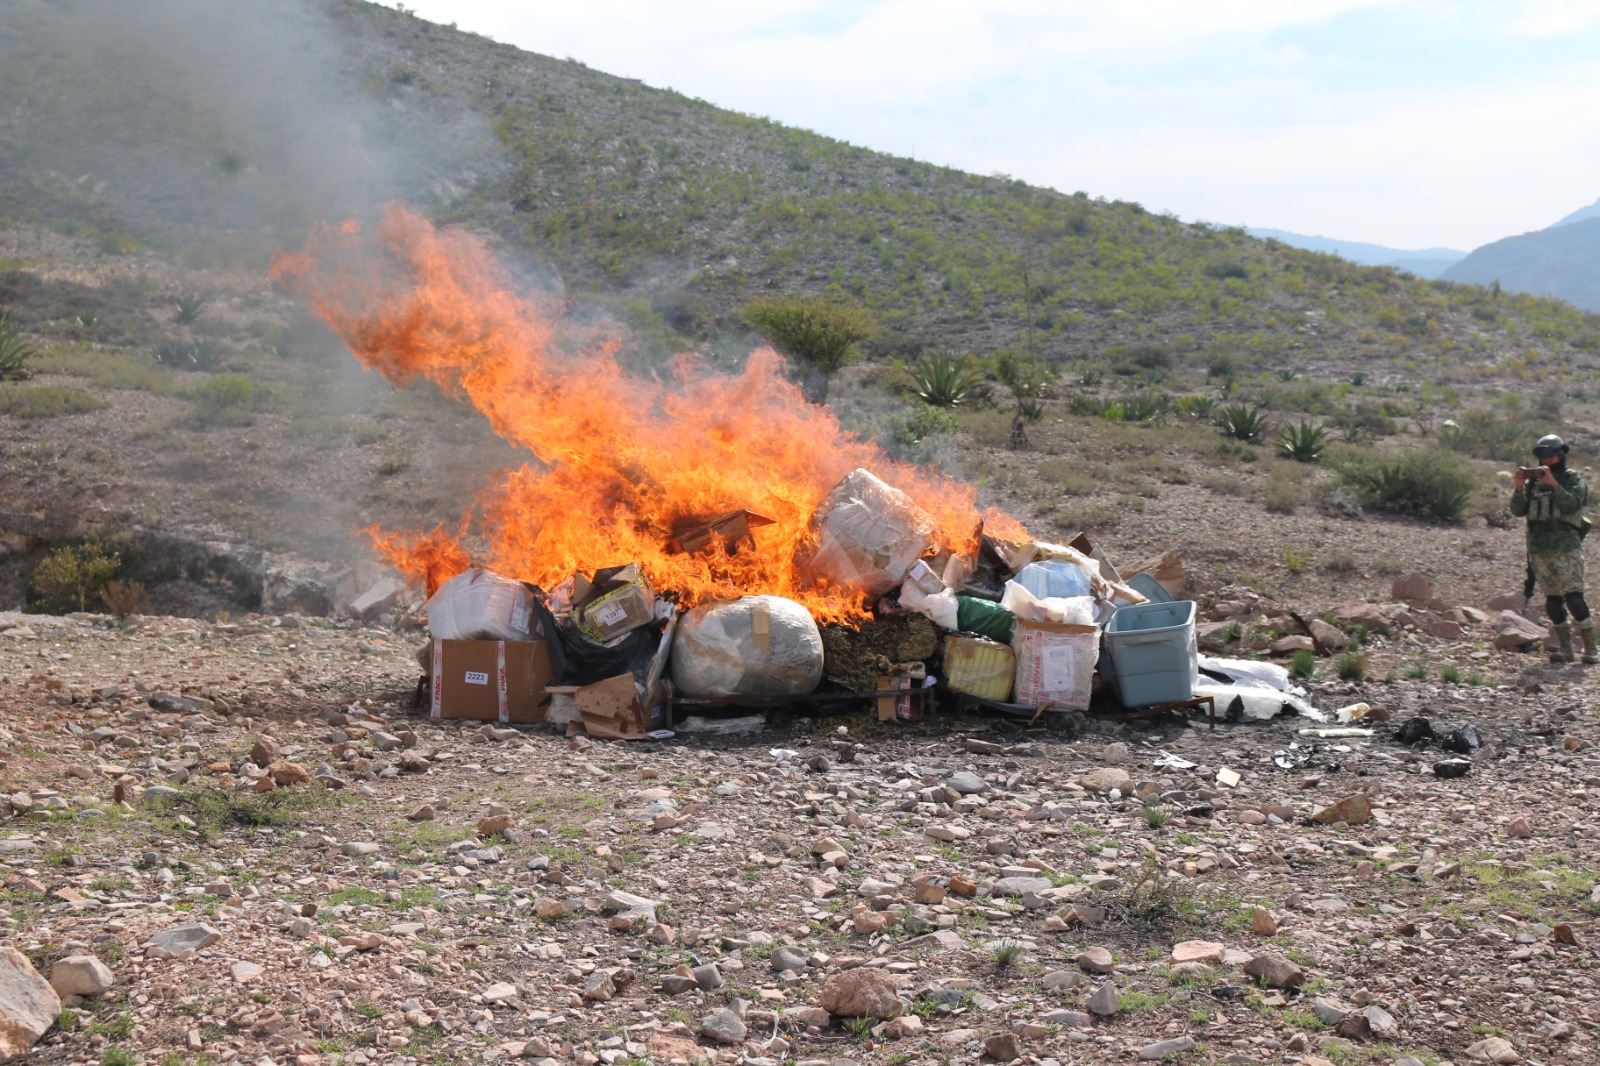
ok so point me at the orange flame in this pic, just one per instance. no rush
(623, 463)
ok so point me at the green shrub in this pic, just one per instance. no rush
(226, 398)
(67, 578)
(1302, 664)
(1145, 406)
(1351, 666)
(1240, 422)
(1304, 443)
(45, 401)
(15, 353)
(1427, 482)
(941, 381)
(189, 305)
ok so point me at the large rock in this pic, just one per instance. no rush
(1411, 588)
(81, 975)
(174, 941)
(1206, 951)
(1106, 778)
(1329, 636)
(1274, 971)
(28, 1005)
(1363, 614)
(1511, 630)
(1494, 1049)
(860, 993)
(1352, 810)
(1104, 1000)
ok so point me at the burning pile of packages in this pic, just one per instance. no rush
(1009, 624)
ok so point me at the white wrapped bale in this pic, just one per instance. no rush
(868, 535)
(755, 646)
(479, 604)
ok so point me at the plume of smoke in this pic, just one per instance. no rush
(191, 119)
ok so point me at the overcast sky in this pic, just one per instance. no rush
(1409, 123)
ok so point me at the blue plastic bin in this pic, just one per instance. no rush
(1153, 652)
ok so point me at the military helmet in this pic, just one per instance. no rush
(1550, 444)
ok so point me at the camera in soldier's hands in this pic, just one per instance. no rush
(1533, 473)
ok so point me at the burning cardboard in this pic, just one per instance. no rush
(614, 602)
(730, 531)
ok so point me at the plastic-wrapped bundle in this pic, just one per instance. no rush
(752, 646)
(868, 534)
(478, 604)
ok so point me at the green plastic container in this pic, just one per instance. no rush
(1154, 656)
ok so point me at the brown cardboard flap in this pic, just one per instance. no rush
(620, 708)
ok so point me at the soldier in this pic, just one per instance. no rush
(1552, 498)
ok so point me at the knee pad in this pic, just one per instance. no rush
(1556, 608)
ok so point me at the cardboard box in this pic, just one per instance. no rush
(731, 530)
(906, 702)
(615, 601)
(490, 680)
(622, 708)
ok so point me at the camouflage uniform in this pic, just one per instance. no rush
(1555, 525)
(1555, 551)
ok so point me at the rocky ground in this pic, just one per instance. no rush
(236, 842)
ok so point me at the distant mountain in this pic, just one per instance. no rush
(1592, 211)
(1424, 262)
(1562, 261)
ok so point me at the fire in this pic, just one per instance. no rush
(622, 463)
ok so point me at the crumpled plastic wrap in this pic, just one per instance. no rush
(479, 604)
(868, 535)
(1068, 610)
(755, 646)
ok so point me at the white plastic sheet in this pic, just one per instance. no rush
(752, 646)
(478, 604)
(1259, 690)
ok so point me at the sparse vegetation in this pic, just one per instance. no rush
(1241, 422)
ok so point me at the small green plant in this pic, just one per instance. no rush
(1303, 443)
(858, 1026)
(1303, 665)
(1240, 422)
(1006, 954)
(1351, 666)
(118, 1056)
(46, 401)
(1145, 406)
(1296, 561)
(1415, 672)
(189, 305)
(224, 399)
(68, 577)
(1450, 674)
(14, 351)
(941, 381)
(1156, 816)
(368, 1009)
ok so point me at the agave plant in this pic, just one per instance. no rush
(14, 351)
(1145, 406)
(1304, 443)
(945, 382)
(1241, 422)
